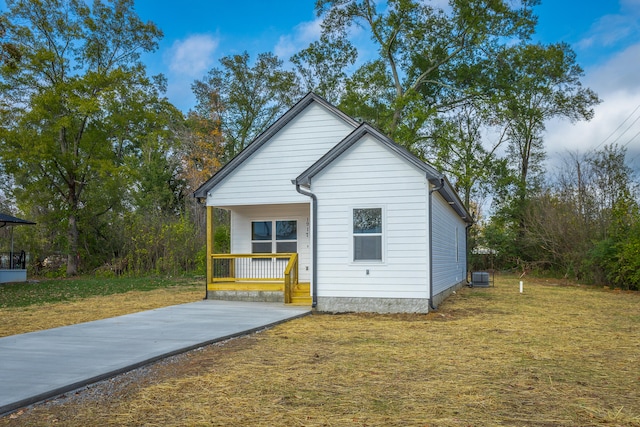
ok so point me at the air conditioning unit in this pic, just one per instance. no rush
(480, 279)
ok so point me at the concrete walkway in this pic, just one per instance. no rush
(44, 364)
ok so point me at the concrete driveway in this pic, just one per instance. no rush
(44, 364)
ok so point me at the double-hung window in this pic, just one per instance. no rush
(457, 246)
(274, 237)
(367, 234)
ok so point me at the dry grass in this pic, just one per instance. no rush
(553, 356)
(19, 320)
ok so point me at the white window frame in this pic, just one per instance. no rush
(274, 240)
(381, 234)
(457, 245)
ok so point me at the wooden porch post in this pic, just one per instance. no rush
(210, 241)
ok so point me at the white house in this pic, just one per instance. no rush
(329, 212)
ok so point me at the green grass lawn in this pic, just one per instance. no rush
(52, 291)
(29, 307)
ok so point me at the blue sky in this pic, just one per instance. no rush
(605, 34)
(198, 34)
(606, 38)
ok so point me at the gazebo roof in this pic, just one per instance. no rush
(12, 220)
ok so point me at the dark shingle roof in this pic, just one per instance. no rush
(441, 183)
(12, 220)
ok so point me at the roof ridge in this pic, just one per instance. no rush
(263, 137)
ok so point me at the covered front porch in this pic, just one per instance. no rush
(269, 255)
(264, 277)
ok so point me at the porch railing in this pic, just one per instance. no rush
(290, 277)
(13, 260)
(261, 268)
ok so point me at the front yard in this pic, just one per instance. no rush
(555, 355)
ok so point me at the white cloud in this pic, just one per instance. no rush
(612, 29)
(303, 34)
(633, 5)
(187, 60)
(615, 118)
(617, 84)
(619, 73)
(192, 56)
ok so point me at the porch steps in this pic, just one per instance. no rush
(301, 294)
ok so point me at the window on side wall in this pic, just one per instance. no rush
(264, 240)
(367, 234)
(457, 246)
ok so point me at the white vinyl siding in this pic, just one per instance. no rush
(370, 175)
(449, 246)
(293, 149)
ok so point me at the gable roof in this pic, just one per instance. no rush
(305, 177)
(261, 139)
(441, 183)
(451, 196)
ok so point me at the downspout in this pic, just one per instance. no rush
(431, 191)
(314, 246)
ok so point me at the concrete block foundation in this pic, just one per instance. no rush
(372, 305)
(248, 296)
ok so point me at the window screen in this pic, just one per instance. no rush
(367, 234)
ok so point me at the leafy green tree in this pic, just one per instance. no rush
(457, 148)
(536, 83)
(612, 188)
(625, 272)
(9, 52)
(201, 155)
(155, 166)
(68, 125)
(533, 84)
(582, 224)
(202, 149)
(248, 97)
(429, 59)
(322, 66)
(443, 77)
(615, 221)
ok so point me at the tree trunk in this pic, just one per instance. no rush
(72, 240)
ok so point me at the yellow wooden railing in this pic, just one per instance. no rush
(256, 268)
(290, 277)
